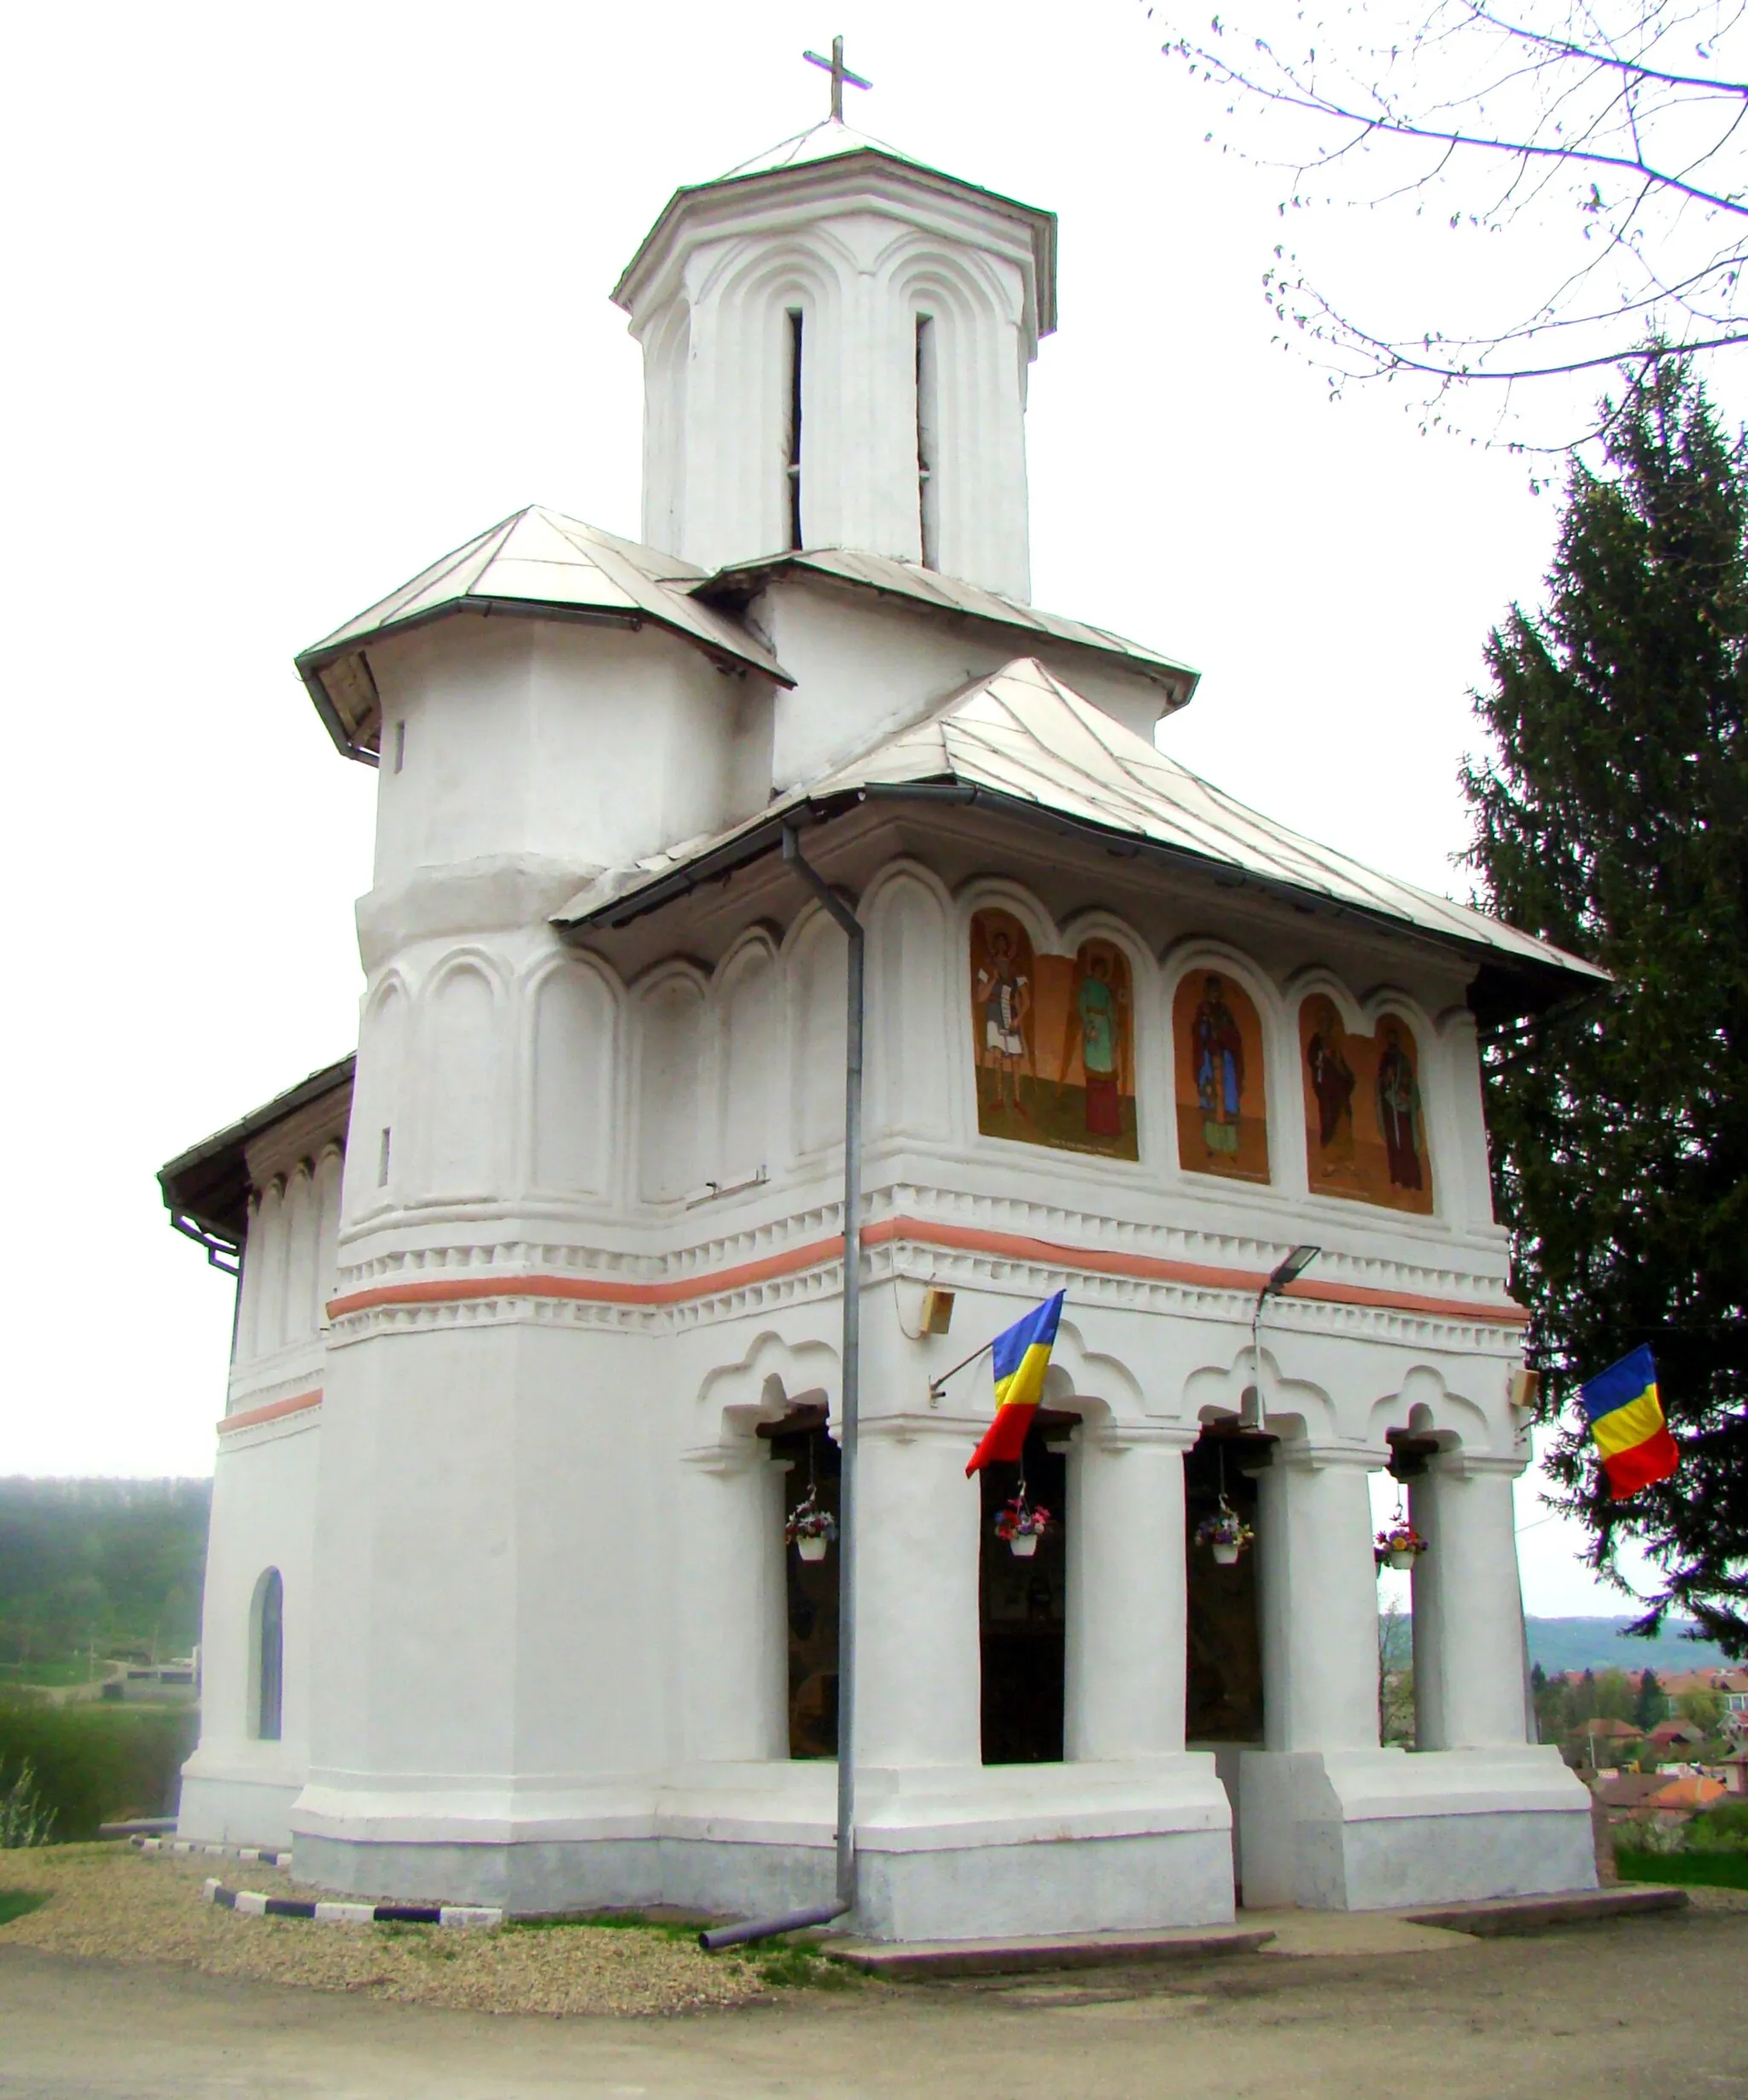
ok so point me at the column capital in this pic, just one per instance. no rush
(1116, 1436)
(1308, 1454)
(1463, 1465)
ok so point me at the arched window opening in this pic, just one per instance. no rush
(792, 446)
(928, 416)
(267, 1642)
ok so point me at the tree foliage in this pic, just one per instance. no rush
(1603, 144)
(114, 1561)
(1613, 820)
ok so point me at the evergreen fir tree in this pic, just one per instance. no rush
(1613, 820)
(1650, 1709)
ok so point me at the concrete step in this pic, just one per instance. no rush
(1500, 1914)
(1015, 1957)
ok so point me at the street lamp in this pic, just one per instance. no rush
(1283, 1273)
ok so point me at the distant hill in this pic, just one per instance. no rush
(1604, 1644)
(119, 1562)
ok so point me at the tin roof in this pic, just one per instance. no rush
(538, 564)
(888, 576)
(1024, 742)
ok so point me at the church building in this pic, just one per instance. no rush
(540, 1333)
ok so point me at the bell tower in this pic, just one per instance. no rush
(836, 345)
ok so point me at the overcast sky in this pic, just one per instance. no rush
(301, 301)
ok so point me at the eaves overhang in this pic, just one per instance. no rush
(1503, 988)
(205, 1189)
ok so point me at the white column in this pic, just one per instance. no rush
(919, 1666)
(1468, 1607)
(1126, 1600)
(735, 1696)
(1318, 1600)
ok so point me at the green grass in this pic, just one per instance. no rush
(63, 1669)
(19, 1902)
(96, 1763)
(1700, 1870)
(606, 1921)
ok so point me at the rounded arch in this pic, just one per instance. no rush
(1425, 1405)
(372, 1172)
(1293, 1408)
(773, 1376)
(1091, 1382)
(908, 911)
(746, 1025)
(1217, 1102)
(461, 1005)
(302, 1239)
(816, 962)
(573, 1006)
(669, 1009)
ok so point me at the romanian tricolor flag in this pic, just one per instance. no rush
(1021, 1356)
(1626, 1419)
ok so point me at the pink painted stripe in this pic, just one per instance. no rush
(1096, 1261)
(271, 1412)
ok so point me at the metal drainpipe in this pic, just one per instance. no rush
(823, 1914)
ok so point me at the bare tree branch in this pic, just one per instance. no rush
(1621, 130)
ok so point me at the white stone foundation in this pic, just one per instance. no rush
(1376, 1829)
(942, 1855)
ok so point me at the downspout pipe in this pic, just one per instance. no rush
(823, 1914)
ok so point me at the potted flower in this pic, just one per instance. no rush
(1022, 1526)
(1226, 1534)
(1399, 1547)
(810, 1529)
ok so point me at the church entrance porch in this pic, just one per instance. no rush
(802, 1442)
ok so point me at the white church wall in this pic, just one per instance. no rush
(457, 1130)
(669, 1012)
(747, 1012)
(236, 1788)
(547, 741)
(862, 259)
(571, 1042)
(816, 955)
(907, 914)
(864, 668)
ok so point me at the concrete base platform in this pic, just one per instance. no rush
(1529, 1914)
(922, 1958)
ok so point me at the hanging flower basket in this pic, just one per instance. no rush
(1022, 1526)
(1399, 1547)
(1225, 1534)
(810, 1529)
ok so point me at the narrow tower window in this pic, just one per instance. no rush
(267, 1639)
(792, 451)
(928, 497)
(382, 1159)
(399, 745)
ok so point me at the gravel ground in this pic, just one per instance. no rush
(111, 1902)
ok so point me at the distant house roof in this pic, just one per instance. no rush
(1629, 1789)
(1677, 1731)
(929, 590)
(1024, 744)
(1611, 1731)
(536, 564)
(1695, 1793)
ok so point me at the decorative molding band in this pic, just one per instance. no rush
(252, 1418)
(483, 1284)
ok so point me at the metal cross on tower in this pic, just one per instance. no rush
(840, 73)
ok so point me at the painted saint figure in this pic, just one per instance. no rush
(1096, 1003)
(1332, 1083)
(1399, 1110)
(1003, 994)
(1218, 1051)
